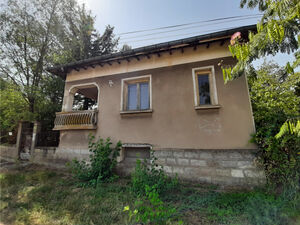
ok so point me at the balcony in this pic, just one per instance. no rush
(76, 120)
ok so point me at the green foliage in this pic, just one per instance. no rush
(13, 108)
(242, 207)
(289, 127)
(38, 34)
(103, 160)
(265, 210)
(150, 209)
(82, 41)
(150, 175)
(278, 31)
(274, 102)
(48, 197)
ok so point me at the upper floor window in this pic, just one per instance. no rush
(205, 92)
(136, 94)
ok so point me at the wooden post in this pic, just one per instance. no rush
(19, 140)
(36, 130)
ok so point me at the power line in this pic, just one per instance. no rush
(185, 28)
(155, 38)
(185, 24)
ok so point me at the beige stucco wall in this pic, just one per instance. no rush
(174, 122)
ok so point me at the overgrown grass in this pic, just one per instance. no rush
(43, 197)
(51, 197)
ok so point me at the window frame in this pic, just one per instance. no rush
(69, 98)
(212, 87)
(124, 93)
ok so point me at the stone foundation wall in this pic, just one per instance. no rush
(9, 152)
(57, 157)
(226, 167)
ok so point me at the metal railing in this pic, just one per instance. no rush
(76, 120)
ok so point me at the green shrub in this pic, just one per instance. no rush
(150, 175)
(103, 160)
(279, 155)
(151, 209)
(266, 210)
(275, 101)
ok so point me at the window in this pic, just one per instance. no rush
(136, 94)
(205, 93)
(203, 87)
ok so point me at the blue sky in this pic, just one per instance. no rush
(133, 15)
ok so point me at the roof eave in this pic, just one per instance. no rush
(62, 70)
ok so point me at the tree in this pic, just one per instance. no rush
(278, 31)
(274, 101)
(274, 91)
(37, 34)
(82, 41)
(125, 47)
(12, 108)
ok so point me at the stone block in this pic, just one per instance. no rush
(221, 155)
(178, 170)
(249, 155)
(235, 155)
(183, 162)
(245, 164)
(223, 172)
(161, 161)
(163, 153)
(197, 162)
(205, 155)
(255, 174)
(167, 169)
(191, 154)
(171, 161)
(178, 154)
(200, 172)
(237, 173)
(212, 163)
(228, 164)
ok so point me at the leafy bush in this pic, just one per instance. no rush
(150, 209)
(103, 160)
(254, 207)
(275, 101)
(266, 210)
(150, 175)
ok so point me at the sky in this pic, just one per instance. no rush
(135, 15)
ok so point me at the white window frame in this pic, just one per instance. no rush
(123, 107)
(212, 86)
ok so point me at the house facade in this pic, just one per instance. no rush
(170, 98)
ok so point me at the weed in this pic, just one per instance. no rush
(150, 175)
(103, 160)
(151, 209)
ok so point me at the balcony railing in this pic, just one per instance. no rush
(76, 120)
